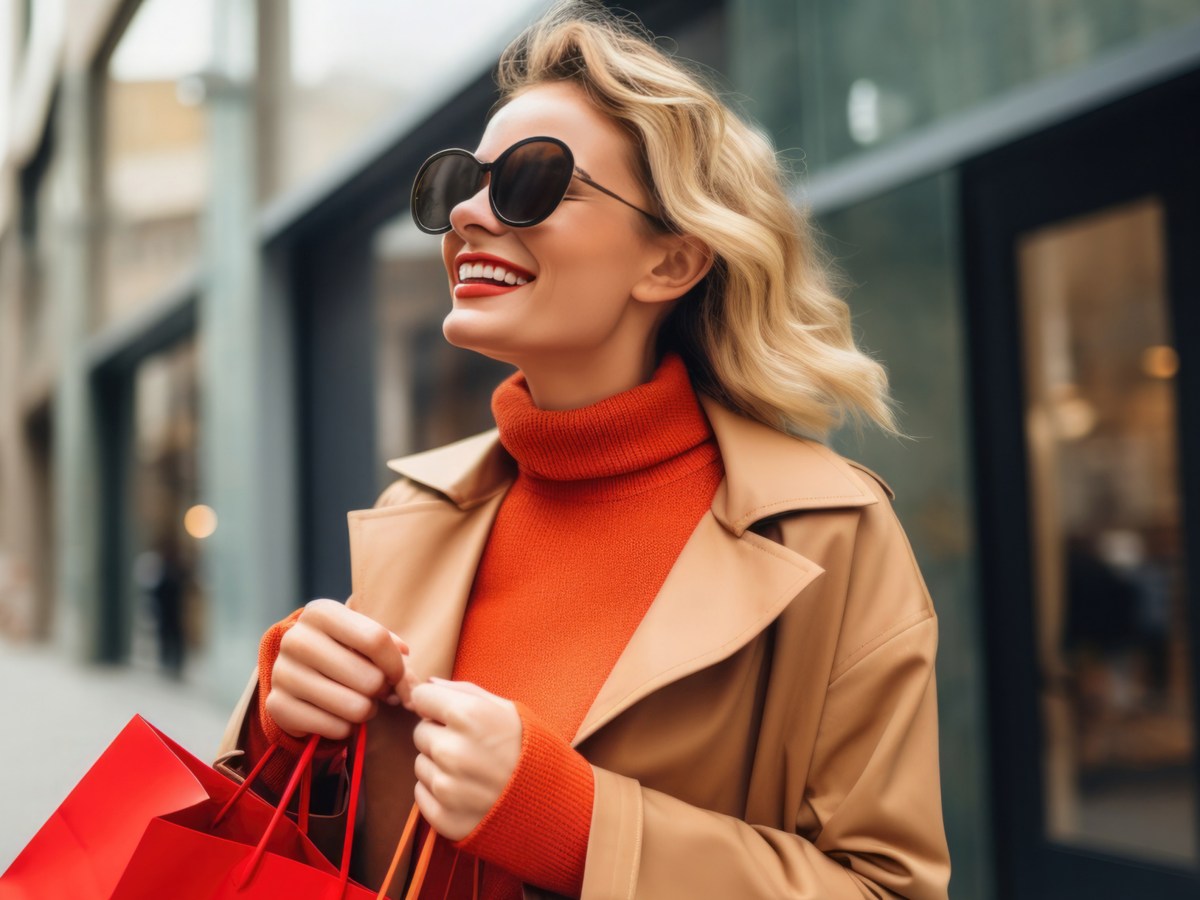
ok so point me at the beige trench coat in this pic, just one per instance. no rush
(771, 728)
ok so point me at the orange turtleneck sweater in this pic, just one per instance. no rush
(604, 499)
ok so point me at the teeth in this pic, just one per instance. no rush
(489, 271)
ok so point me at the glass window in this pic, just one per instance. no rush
(1110, 584)
(430, 393)
(155, 155)
(169, 527)
(336, 71)
(838, 76)
(900, 254)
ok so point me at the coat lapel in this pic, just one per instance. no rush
(729, 583)
(412, 567)
(413, 564)
(722, 591)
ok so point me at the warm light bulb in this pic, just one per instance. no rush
(200, 521)
(1160, 361)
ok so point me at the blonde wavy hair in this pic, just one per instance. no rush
(763, 333)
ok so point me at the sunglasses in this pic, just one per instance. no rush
(529, 180)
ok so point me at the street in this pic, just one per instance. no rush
(59, 716)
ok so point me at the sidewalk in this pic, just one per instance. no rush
(59, 716)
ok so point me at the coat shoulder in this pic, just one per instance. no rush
(873, 475)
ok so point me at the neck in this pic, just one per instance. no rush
(573, 382)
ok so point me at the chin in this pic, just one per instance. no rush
(461, 331)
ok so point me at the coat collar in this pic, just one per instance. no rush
(413, 563)
(767, 473)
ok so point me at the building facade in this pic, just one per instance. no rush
(216, 323)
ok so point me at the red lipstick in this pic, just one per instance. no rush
(487, 276)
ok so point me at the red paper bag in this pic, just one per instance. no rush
(141, 824)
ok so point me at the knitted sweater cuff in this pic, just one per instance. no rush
(538, 829)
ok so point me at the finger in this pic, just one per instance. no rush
(443, 704)
(424, 735)
(402, 692)
(361, 633)
(463, 687)
(313, 687)
(300, 719)
(428, 775)
(431, 809)
(321, 653)
(440, 818)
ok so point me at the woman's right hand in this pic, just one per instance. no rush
(333, 668)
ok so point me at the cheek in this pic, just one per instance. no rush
(451, 245)
(599, 263)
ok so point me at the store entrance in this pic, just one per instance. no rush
(1083, 279)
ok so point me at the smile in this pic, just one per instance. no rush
(489, 274)
(484, 275)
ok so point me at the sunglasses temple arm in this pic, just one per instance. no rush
(602, 189)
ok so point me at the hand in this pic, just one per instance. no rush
(333, 668)
(468, 743)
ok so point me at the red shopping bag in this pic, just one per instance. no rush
(151, 820)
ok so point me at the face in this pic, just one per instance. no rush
(582, 264)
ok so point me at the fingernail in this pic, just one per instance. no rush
(437, 680)
(393, 700)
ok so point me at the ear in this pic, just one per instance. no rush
(681, 261)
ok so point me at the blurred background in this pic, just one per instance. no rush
(217, 323)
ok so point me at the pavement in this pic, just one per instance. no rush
(57, 716)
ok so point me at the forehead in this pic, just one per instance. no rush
(560, 110)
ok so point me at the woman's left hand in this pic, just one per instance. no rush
(468, 743)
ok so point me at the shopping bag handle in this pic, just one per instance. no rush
(302, 771)
(422, 868)
(245, 785)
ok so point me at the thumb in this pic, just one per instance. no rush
(465, 687)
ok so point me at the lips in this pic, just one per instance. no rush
(485, 275)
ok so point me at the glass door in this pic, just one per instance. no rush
(1082, 279)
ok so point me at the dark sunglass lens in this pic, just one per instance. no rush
(442, 185)
(531, 183)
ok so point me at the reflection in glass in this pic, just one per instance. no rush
(155, 153)
(169, 619)
(1110, 587)
(836, 77)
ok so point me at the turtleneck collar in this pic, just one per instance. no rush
(649, 435)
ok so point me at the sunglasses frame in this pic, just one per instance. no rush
(497, 165)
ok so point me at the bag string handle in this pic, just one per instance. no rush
(303, 773)
(305, 760)
(422, 868)
(245, 785)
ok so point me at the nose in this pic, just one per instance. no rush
(476, 211)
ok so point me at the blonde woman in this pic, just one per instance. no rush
(651, 638)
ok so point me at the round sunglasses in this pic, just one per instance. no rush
(529, 180)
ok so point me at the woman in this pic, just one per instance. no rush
(660, 645)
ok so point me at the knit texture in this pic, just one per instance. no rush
(604, 500)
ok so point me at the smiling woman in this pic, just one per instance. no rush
(644, 639)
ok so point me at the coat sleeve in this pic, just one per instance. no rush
(869, 823)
